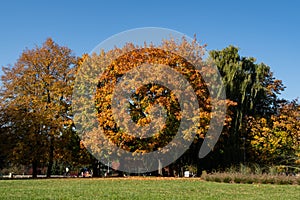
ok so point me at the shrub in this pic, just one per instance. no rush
(271, 180)
(217, 179)
(237, 179)
(257, 169)
(273, 170)
(250, 178)
(298, 180)
(245, 169)
(227, 179)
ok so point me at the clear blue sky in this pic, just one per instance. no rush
(266, 30)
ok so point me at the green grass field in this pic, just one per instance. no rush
(141, 188)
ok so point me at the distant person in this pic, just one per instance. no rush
(67, 171)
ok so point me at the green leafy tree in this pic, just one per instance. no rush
(255, 90)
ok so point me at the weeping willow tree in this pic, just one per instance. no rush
(255, 90)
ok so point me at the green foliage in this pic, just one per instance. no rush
(254, 89)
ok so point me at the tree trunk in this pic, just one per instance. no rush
(34, 169)
(159, 168)
(51, 155)
(171, 170)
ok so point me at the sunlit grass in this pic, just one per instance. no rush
(141, 188)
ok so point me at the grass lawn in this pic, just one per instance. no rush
(141, 188)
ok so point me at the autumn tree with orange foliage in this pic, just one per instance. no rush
(37, 125)
(277, 141)
(35, 98)
(142, 100)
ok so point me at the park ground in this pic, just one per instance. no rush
(141, 188)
